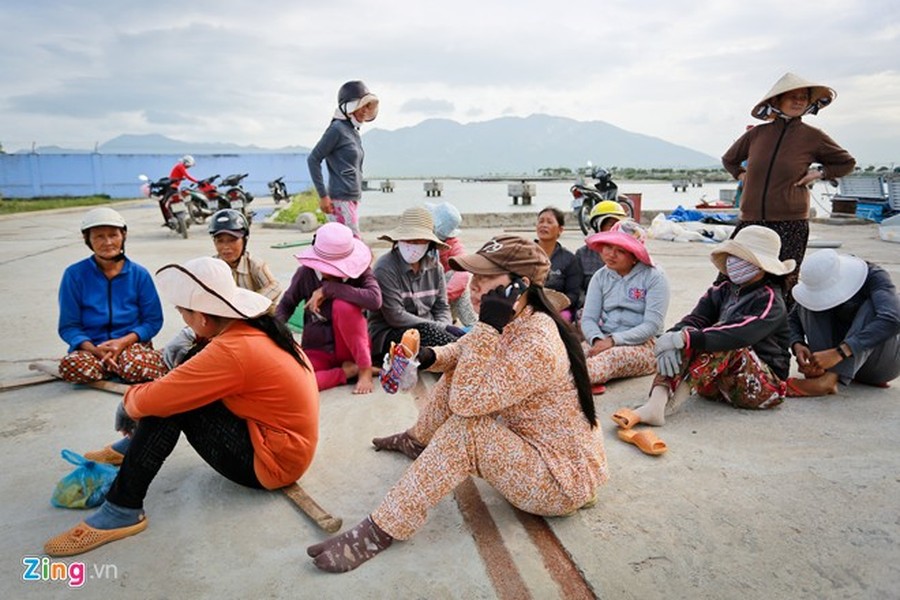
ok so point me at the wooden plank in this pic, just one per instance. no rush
(15, 384)
(106, 386)
(311, 508)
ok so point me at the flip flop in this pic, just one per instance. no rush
(83, 538)
(598, 388)
(645, 439)
(625, 418)
(791, 389)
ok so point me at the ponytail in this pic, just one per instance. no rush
(536, 298)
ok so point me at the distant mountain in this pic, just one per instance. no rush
(515, 145)
(159, 144)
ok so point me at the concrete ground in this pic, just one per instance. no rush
(798, 502)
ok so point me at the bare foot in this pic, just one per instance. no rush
(364, 385)
(350, 369)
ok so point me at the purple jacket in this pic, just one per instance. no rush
(317, 333)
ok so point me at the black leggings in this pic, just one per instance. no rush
(220, 437)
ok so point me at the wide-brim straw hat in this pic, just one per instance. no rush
(828, 279)
(820, 95)
(416, 223)
(336, 252)
(755, 244)
(206, 285)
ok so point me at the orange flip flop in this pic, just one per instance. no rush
(83, 538)
(598, 388)
(625, 418)
(645, 440)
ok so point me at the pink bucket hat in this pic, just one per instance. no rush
(626, 235)
(336, 252)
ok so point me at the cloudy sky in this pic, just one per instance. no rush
(266, 72)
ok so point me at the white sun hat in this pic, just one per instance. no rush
(206, 285)
(828, 279)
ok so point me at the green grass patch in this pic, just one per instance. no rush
(307, 201)
(8, 206)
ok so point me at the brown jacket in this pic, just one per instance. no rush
(778, 155)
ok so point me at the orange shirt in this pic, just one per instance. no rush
(258, 382)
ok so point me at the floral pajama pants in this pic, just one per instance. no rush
(737, 377)
(346, 213)
(622, 361)
(137, 363)
(457, 447)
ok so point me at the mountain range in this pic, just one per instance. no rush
(441, 147)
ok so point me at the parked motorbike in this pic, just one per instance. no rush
(237, 197)
(585, 197)
(204, 199)
(163, 191)
(279, 190)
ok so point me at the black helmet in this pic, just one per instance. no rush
(352, 90)
(228, 219)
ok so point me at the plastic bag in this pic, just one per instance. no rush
(400, 370)
(86, 486)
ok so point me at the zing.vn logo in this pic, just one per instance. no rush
(39, 568)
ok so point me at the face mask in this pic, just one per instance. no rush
(740, 271)
(412, 253)
(318, 274)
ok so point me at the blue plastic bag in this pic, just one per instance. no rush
(86, 486)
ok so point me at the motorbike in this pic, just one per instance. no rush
(585, 197)
(237, 197)
(163, 191)
(279, 190)
(204, 199)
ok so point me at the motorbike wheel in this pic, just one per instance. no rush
(182, 225)
(196, 213)
(627, 205)
(583, 213)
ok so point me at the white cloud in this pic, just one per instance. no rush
(267, 72)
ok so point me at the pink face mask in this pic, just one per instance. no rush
(740, 271)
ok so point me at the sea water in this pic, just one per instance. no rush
(473, 197)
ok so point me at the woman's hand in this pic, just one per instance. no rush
(325, 205)
(812, 176)
(601, 345)
(806, 363)
(497, 307)
(825, 359)
(111, 349)
(314, 304)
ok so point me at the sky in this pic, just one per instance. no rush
(266, 72)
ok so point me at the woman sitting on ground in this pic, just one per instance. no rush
(109, 310)
(337, 285)
(247, 403)
(413, 292)
(625, 307)
(446, 227)
(845, 325)
(565, 271)
(732, 347)
(602, 218)
(513, 407)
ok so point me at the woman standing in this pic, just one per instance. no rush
(108, 309)
(625, 306)
(341, 149)
(513, 407)
(783, 157)
(565, 270)
(247, 403)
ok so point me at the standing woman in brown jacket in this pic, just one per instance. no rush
(784, 157)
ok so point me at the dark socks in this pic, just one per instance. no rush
(399, 442)
(350, 549)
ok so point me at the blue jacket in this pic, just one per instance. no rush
(92, 307)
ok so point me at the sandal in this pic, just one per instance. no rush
(792, 390)
(625, 418)
(106, 456)
(645, 440)
(83, 538)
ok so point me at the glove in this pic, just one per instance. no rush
(426, 357)
(497, 305)
(124, 423)
(670, 340)
(668, 362)
(455, 331)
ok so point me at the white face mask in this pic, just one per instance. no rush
(412, 253)
(318, 274)
(740, 271)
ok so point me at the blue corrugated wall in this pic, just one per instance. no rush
(116, 175)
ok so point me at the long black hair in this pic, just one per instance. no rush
(535, 298)
(280, 334)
